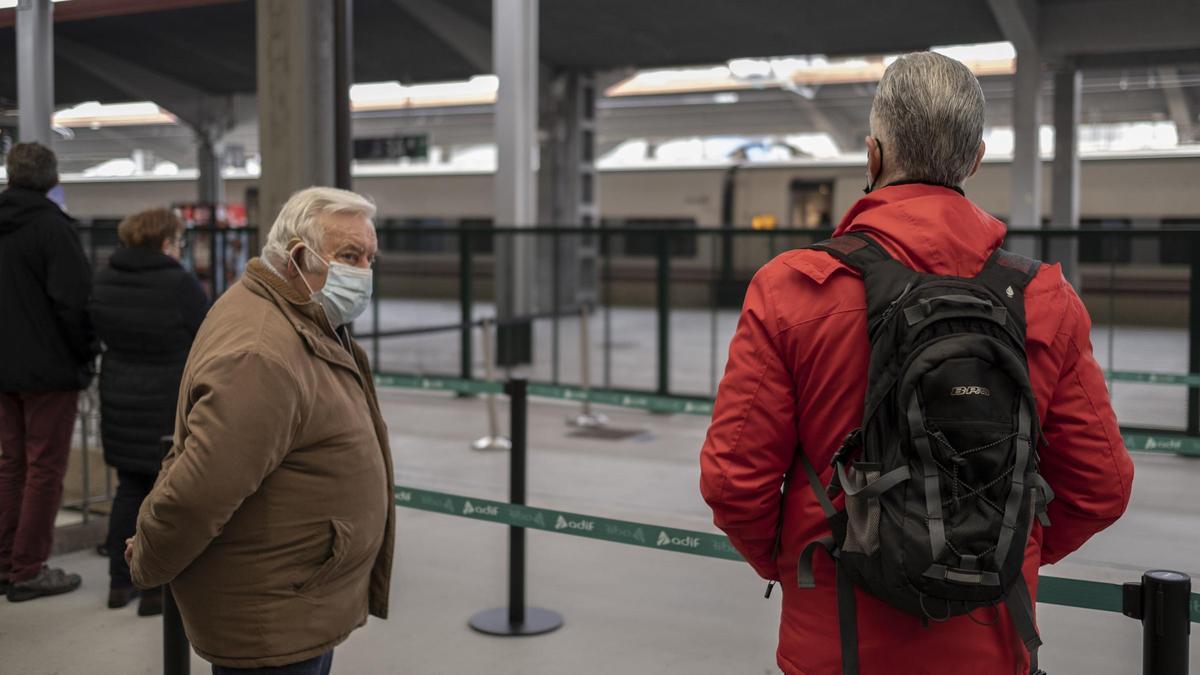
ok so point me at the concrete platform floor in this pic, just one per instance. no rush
(628, 610)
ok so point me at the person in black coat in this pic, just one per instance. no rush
(147, 309)
(46, 353)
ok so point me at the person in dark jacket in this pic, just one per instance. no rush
(48, 348)
(147, 309)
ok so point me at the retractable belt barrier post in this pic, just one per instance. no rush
(177, 651)
(516, 619)
(493, 440)
(586, 419)
(1161, 602)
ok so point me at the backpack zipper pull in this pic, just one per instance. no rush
(770, 587)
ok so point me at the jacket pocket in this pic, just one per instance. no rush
(333, 564)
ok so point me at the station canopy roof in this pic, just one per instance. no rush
(209, 45)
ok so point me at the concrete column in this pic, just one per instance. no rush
(1065, 204)
(515, 56)
(568, 189)
(1025, 197)
(35, 69)
(295, 100)
(210, 155)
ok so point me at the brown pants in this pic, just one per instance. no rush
(35, 442)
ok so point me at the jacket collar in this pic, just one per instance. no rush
(305, 315)
(928, 227)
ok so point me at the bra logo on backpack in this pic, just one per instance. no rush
(970, 391)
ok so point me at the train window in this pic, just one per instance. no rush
(811, 204)
(410, 236)
(1093, 249)
(1177, 249)
(431, 235)
(636, 245)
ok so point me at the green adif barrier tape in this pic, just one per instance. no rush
(438, 384)
(1176, 445)
(650, 402)
(658, 404)
(1136, 441)
(620, 531)
(1052, 590)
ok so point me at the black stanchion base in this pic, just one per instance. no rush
(537, 622)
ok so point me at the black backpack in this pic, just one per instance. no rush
(941, 481)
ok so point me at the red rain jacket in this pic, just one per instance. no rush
(796, 378)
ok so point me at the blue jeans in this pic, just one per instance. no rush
(316, 666)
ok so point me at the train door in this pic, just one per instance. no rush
(810, 204)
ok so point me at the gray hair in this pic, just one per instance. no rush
(928, 114)
(301, 218)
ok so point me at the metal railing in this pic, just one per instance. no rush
(681, 288)
(1126, 277)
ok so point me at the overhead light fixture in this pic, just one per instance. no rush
(748, 69)
(10, 4)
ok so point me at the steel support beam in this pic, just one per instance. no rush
(471, 40)
(1018, 20)
(515, 55)
(567, 174)
(195, 107)
(295, 101)
(35, 69)
(568, 189)
(827, 119)
(210, 156)
(1066, 28)
(1068, 82)
(1178, 104)
(208, 115)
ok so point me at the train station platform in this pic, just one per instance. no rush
(627, 609)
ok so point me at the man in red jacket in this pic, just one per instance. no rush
(797, 376)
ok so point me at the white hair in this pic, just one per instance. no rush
(302, 218)
(928, 114)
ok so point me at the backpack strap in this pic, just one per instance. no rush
(854, 249)
(847, 620)
(847, 607)
(1010, 269)
(1020, 612)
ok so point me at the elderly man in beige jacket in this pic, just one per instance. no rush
(272, 517)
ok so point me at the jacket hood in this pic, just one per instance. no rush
(927, 227)
(19, 206)
(138, 259)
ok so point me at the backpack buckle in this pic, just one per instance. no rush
(852, 441)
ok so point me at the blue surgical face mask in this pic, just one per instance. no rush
(346, 294)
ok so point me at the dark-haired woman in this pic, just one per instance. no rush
(147, 309)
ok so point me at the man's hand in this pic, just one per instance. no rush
(129, 550)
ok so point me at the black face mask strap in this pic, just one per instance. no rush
(871, 183)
